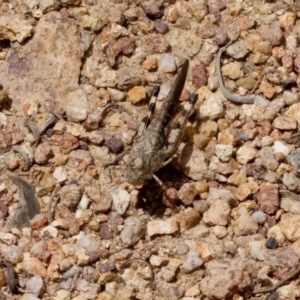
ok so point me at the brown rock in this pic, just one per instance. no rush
(199, 76)
(67, 142)
(152, 8)
(288, 62)
(70, 195)
(235, 274)
(105, 233)
(271, 33)
(14, 27)
(111, 52)
(189, 218)
(38, 221)
(127, 45)
(220, 36)
(285, 123)
(34, 266)
(150, 63)
(137, 94)
(61, 211)
(45, 65)
(217, 214)
(161, 26)
(42, 153)
(208, 30)
(173, 15)
(267, 89)
(187, 193)
(268, 198)
(82, 157)
(154, 43)
(244, 225)
(283, 257)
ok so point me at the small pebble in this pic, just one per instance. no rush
(271, 243)
(192, 262)
(259, 216)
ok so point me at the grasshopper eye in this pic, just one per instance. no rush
(138, 163)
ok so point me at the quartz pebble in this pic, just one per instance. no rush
(162, 227)
(192, 262)
(120, 199)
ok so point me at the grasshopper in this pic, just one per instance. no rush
(153, 147)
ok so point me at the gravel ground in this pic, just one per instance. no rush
(76, 76)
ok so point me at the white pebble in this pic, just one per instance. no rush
(192, 262)
(259, 216)
(280, 147)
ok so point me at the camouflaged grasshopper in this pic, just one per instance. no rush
(156, 143)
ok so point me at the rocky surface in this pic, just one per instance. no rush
(76, 77)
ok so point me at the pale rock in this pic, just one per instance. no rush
(107, 78)
(289, 204)
(276, 233)
(133, 231)
(162, 227)
(233, 70)
(257, 249)
(192, 262)
(34, 266)
(219, 194)
(182, 248)
(167, 64)
(7, 238)
(237, 50)
(158, 261)
(244, 225)
(282, 257)
(76, 114)
(290, 97)
(279, 147)
(42, 153)
(12, 253)
(60, 174)
(217, 214)
(187, 193)
(291, 181)
(220, 231)
(29, 296)
(120, 199)
(246, 154)
(48, 5)
(192, 292)
(192, 162)
(62, 295)
(167, 274)
(259, 216)
(32, 3)
(246, 189)
(212, 108)
(35, 285)
(116, 95)
(289, 225)
(235, 273)
(285, 123)
(14, 27)
(70, 195)
(224, 152)
(294, 112)
(49, 231)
